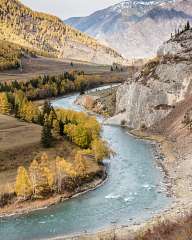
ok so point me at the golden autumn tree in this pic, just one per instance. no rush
(59, 174)
(5, 107)
(29, 112)
(80, 164)
(44, 160)
(42, 176)
(100, 149)
(34, 171)
(63, 169)
(46, 169)
(78, 134)
(23, 187)
(56, 127)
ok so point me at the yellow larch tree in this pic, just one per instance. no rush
(100, 149)
(80, 164)
(23, 187)
(4, 104)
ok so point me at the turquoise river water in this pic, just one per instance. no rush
(132, 192)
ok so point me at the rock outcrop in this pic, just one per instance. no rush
(156, 90)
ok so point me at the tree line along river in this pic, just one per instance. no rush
(131, 193)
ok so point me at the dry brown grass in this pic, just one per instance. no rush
(33, 67)
(20, 144)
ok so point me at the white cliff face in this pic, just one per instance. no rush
(153, 94)
(139, 104)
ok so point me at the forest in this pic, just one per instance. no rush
(12, 53)
(43, 177)
(47, 86)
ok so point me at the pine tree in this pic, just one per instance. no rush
(23, 187)
(47, 107)
(4, 104)
(188, 26)
(61, 127)
(46, 134)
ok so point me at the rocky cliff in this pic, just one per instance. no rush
(46, 33)
(159, 87)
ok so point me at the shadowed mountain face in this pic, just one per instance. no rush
(48, 34)
(136, 28)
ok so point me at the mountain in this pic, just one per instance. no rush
(48, 34)
(136, 28)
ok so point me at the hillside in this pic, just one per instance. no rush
(48, 34)
(136, 28)
(11, 55)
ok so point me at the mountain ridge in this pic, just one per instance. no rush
(44, 32)
(136, 30)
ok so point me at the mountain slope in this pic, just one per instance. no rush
(136, 28)
(43, 32)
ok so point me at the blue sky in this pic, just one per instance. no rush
(69, 8)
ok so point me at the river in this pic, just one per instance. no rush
(133, 192)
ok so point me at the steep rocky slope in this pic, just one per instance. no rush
(163, 83)
(43, 32)
(136, 28)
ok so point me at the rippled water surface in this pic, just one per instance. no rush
(131, 193)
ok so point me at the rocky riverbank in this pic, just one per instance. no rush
(101, 102)
(174, 223)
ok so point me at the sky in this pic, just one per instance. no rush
(69, 8)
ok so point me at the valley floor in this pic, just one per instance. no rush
(33, 67)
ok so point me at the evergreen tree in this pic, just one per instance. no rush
(47, 107)
(23, 187)
(61, 127)
(46, 134)
(188, 26)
